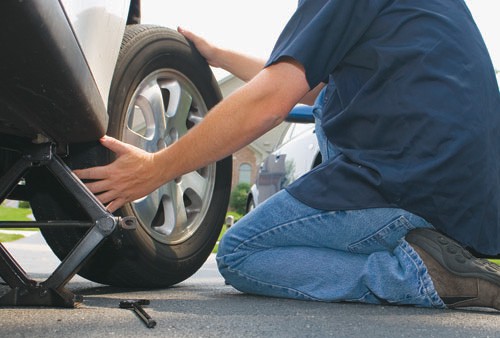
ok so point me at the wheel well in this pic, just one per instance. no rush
(134, 12)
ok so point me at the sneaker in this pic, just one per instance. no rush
(460, 279)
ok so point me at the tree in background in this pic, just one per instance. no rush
(238, 200)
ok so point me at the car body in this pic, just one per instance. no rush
(72, 71)
(53, 63)
(297, 152)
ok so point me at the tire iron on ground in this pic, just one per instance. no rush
(136, 306)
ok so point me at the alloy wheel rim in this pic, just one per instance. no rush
(165, 105)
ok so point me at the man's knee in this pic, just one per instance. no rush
(229, 252)
(224, 246)
(223, 258)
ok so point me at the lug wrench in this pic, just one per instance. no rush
(136, 305)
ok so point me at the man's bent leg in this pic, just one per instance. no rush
(287, 249)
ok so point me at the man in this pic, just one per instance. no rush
(411, 126)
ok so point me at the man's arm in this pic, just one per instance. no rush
(245, 115)
(240, 65)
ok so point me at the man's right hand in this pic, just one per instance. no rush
(131, 176)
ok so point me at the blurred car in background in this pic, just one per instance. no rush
(297, 152)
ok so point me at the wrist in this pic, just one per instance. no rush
(216, 58)
(160, 166)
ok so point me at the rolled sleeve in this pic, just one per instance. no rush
(321, 32)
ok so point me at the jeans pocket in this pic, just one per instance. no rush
(385, 239)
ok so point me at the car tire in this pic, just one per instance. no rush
(161, 88)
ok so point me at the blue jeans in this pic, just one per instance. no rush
(284, 248)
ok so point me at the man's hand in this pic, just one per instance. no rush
(206, 49)
(131, 176)
(242, 66)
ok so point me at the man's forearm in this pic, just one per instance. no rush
(242, 66)
(238, 120)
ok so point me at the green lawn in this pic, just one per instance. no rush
(9, 237)
(224, 228)
(14, 214)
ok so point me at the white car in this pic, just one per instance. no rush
(296, 153)
(71, 71)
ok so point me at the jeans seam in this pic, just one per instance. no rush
(396, 223)
(273, 285)
(277, 227)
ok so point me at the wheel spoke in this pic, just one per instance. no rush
(195, 119)
(178, 110)
(195, 182)
(154, 97)
(180, 209)
(173, 214)
(180, 99)
(147, 207)
(146, 121)
(137, 140)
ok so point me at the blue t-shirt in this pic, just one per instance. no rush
(415, 112)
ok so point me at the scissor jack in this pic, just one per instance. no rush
(52, 292)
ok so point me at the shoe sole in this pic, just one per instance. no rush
(453, 257)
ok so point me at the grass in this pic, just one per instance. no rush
(14, 215)
(224, 228)
(9, 237)
(222, 232)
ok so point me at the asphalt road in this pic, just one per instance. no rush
(203, 306)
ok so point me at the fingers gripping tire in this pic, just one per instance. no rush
(161, 88)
